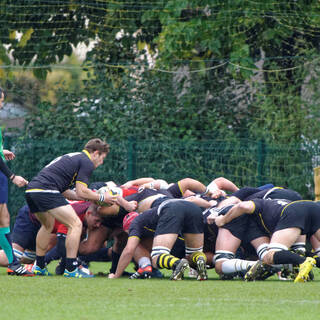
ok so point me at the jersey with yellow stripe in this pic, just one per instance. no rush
(63, 172)
(145, 224)
(268, 212)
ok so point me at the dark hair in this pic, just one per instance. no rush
(97, 144)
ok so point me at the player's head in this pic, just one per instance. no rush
(98, 150)
(127, 220)
(97, 144)
(92, 218)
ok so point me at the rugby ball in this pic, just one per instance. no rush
(103, 190)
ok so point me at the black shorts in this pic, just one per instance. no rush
(178, 249)
(175, 190)
(26, 240)
(44, 201)
(3, 188)
(25, 230)
(245, 228)
(304, 215)
(180, 217)
(210, 237)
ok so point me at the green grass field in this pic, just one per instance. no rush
(102, 298)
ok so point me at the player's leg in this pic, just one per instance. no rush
(5, 237)
(161, 257)
(143, 260)
(278, 252)
(42, 241)
(194, 252)
(260, 270)
(299, 246)
(315, 243)
(67, 216)
(120, 239)
(225, 262)
(14, 266)
(24, 235)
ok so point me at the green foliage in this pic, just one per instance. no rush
(197, 35)
(181, 87)
(47, 32)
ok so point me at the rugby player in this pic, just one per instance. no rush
(27, 226)
(242, 232)
(144, 199)
(285, 221)
(46, 197)
(5, 238)
(167, 221)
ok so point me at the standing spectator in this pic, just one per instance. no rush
(14, 267)
(46, 196)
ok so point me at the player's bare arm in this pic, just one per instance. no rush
(126, 256)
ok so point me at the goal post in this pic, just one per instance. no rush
(316, 172)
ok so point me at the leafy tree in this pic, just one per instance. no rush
(232, 67)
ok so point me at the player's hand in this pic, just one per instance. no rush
(127, 205)
(131, 206)
(220, 221)
(8, 155)
(110, 199)
(127, 185)
(211, 218)
(20, 181)
(217, 193)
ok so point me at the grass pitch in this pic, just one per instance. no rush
(102, 298)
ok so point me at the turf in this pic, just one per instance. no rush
(102, 298)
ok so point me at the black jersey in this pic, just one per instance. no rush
(245, 192)
(267, 212)
(248, 193)
(63, 172)
(146, 193)
(276, 193)
(145, 224)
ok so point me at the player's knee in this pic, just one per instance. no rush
(75, 225)
(221, 256)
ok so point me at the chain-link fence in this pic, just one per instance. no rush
(246, 163)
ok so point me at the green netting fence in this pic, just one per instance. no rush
(245, 162)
